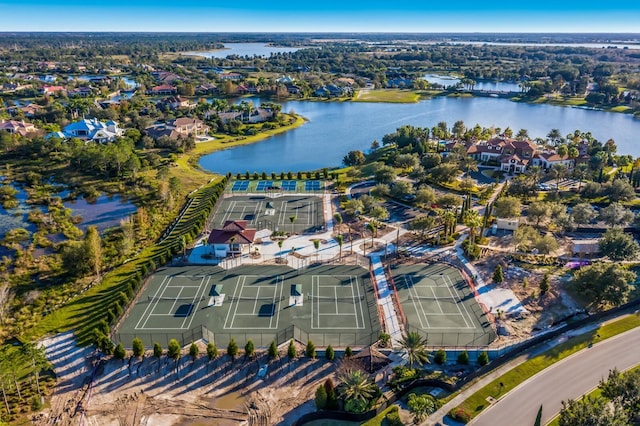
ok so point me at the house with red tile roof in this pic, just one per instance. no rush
(49, 90)
(18, 127)
(233, 238)
(163, 89)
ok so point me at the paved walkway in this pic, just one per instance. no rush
(384, 299)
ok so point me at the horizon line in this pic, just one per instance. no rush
(317, 32)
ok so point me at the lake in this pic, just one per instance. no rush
(244, 49)
(489, 85)
(335, 128)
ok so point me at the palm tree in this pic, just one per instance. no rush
(231, 241)
(473, 220)
(449, 221)
(468, 164)
(337, 219)
(292, 219)
(355, 385)
(581, 172)
(415, 346)
(340, 241)
(371, 227)
(316, 245)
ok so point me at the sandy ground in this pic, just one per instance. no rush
(158, 391)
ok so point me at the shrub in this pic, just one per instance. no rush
(291, 350)
(212, 351)
(119, 353)
(232, 348)
(355, 406)
(441, 357)
(460, 415)
(173, 350)
(483, 358)
(321, 398)
(348, 352)
(157, 350)
(332, 397)
(194, 350)
(393, 417)
(273, 350)
(463, 358)
(36, 403)
(138, 347)
(310, 351)
(249, 349)
(329, 354)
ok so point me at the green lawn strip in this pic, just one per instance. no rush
(478, 401)
(379, 419)
(84, 312)
(594, 394)
(388, 95)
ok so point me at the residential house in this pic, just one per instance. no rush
(207, 89)
(400, 82)
(258, 115)
(292, 89)
(166, 76)
(180, 127)
(244, 89)
(585, 247)
(50, 90)
(330, 90)
(163, 89)
(233, 238)
(174, 103)
(90, 129)
(18, 127)
(548, 159)
(232, 76)
(31, 110)
(81, 92)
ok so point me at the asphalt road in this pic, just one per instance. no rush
(568, 379)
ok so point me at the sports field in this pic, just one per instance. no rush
(327, 304)
(272, 212)
(437, 302)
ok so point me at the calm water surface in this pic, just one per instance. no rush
(499, 86)
(336, 128)
(244, 49)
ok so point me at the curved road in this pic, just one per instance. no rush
(567, 379)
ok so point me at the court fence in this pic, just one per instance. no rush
(221, 340)
(456, 339)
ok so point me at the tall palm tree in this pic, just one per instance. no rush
(340, 241)
(415, 346)
(292, 219)
(355, 385)
(449, 221)
(473, 220)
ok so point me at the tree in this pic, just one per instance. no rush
(37, 355)
(291, 350)
(5, 298)
(173, 350)
(321, 398)
(483, 358)
(329, 353)
(544, 284)
(425, 196)
(546, 244)
(616, 214)
(157, 350)
(212, 351)
(138, 347)
(440, 357)
(525, 237)
(415, 346)
(420, 407)
(310, 350)
(340, 240)
(332, 398)
(353, 207)
(473, 220)
(498, 276)
(194, 350)
(623, 389)
(356, 386)
(592, 411)
(354, 158)
(232, 348)
(617, 245)
(583, 213)
(292, 219)
(463, 358)
(119, 352)
(381, 190)
(93, 247)
(401, 189)
(507, 207)
(348, 352)
(385, 174)
(620, 190)
(337, 219)
(273, 350)
(423, 224)
(538, 211)
(249, 349)
(448, 201)
(604, 283)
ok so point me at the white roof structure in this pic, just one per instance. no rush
(91, 129)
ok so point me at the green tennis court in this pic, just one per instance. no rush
(272, 212)
(437, 302)
(326, 304)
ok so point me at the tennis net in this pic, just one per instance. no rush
(175, 299)
(433, 298)
(330, 299)
(253, 299)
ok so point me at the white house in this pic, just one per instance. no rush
(91, 129)
(231, 238)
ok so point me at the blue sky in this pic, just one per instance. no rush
(322, 16)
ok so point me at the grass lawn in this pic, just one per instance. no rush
(379, 420)
(478, 401)
(620, 108)
(388, 95)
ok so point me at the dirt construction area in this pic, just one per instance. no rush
(162, 392)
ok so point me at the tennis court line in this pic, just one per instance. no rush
(457, 296)
(276, 304)
(144, 326)
(315, 303)
(235, 290)
(407, 280)
(149, 305)
(194, 308)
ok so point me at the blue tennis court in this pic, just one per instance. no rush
(289, 185)
(312, 185)
(240, 185)
(263, 185)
